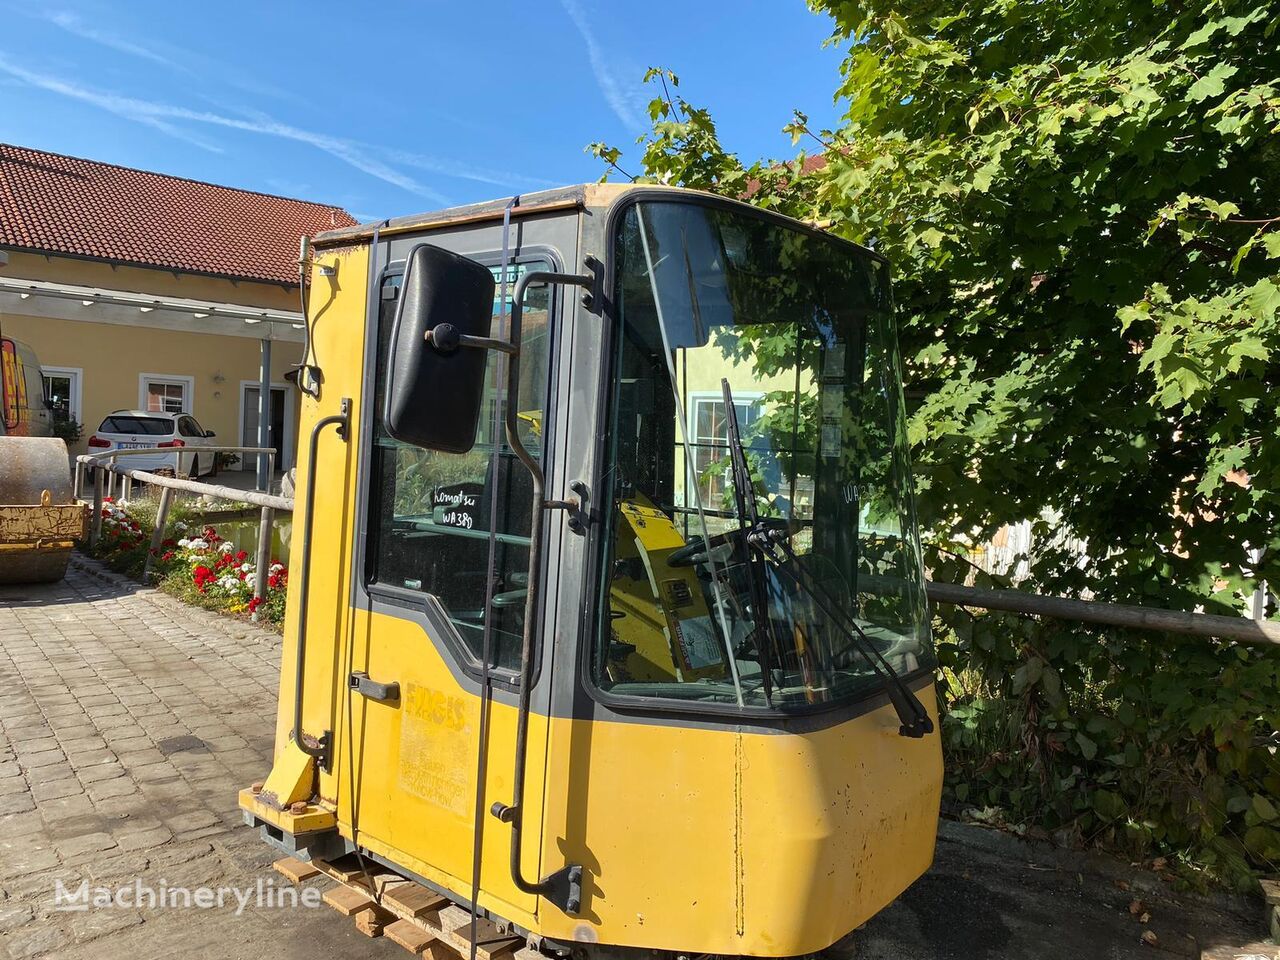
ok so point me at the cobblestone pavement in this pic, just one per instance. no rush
(128, 721)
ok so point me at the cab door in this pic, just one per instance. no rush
(415, 704)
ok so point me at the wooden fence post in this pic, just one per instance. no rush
(95, 524)
(157, 535)
(264, 556)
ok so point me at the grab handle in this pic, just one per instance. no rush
(323, 748)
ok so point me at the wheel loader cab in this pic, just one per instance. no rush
(610, 619)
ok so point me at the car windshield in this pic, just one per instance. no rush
(799, 328)
(145, 426)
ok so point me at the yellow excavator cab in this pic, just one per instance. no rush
(607, 624)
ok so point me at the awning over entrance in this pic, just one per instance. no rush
(71, 301)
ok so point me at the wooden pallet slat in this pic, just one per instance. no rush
(347, 900)
(413, 899)
(296, 871)
(414, 916)
(371, 921)
(345, 868)
(409, 935)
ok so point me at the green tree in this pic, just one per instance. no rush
(1081, 203)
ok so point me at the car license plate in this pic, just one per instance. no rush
(134, 446)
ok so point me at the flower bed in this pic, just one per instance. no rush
(199, 566)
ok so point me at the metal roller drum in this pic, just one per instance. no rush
(39, 519)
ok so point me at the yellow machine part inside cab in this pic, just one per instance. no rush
(650, 600)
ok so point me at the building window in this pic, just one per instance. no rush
(709, 438)
(62, 388)
(165, 394)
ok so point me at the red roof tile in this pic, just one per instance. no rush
(65, 205)
(812, 162)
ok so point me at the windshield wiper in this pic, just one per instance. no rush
(744, 496)
(767, 543)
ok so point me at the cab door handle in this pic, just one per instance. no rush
(382, 692)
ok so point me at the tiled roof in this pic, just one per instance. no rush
(812, 162)
(65, 205)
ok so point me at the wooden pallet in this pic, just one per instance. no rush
(384, 903)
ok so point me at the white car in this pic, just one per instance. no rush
(139, 429)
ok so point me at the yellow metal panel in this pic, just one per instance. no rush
(649, 812)
(292, 778)
(31, 522)
(314, 819)
(415, 772)
(737, 842)
(337, 314)
(835, 824)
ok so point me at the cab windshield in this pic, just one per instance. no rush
(730, 319)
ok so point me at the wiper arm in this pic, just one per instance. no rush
(914, 718)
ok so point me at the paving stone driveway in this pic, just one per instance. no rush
(128, 721)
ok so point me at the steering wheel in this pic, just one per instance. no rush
(696, 550)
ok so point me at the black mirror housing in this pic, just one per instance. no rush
(209, 434)
(434, 391)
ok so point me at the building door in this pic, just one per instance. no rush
(62, 390)
(280, 430)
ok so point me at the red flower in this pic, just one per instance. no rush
(168, 542)
(254, 604)
(166, 556)
(242, 556)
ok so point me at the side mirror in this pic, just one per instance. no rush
(435, 388)
(209, 434)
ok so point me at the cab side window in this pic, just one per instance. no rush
(432, 512)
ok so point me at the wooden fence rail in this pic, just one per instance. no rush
(1241, 629)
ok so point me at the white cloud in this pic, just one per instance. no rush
(185, 62)
(160, 116)
(620, 101)
(73, 24)
(464, 171)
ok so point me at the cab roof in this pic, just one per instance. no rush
(558, 198)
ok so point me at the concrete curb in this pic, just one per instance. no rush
(93, 568)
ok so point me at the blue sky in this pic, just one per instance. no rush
(394, 108)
